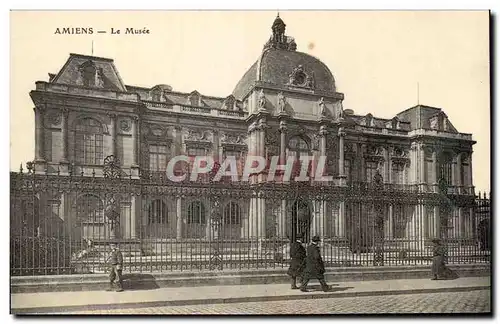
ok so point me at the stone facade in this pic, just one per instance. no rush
(86, 113)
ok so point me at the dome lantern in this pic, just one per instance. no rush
(278, 38)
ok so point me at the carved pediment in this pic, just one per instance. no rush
(374, 150)
(232, 138)
(197, 135)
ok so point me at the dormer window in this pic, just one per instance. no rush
(156, 94)
(194, 99)
(395, 123)
(369, 120)
(90, 75)
(229, 103)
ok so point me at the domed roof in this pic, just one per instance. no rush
(281, 66)
(287, 69)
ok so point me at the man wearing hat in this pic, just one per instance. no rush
(116, 261)
(298, 260)
(315, 269)
(438, 267)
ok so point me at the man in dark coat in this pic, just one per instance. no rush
(437, 259)
(315, 269)
(297, 262)
(116, 262)
(439, 269)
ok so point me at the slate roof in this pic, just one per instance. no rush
(274, 67)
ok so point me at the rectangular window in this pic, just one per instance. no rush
(429, 172)
(400, 221)
(196, 151)
(371, 170)
(398, 173)
(238, 157)
(157, 157)
(464, 174)
(88, 148)
(347, 169)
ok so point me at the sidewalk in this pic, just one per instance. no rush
(92, 300)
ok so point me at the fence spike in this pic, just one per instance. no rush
(21, 168)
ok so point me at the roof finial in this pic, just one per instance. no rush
(278, 15)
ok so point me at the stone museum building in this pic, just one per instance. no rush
(102, 148)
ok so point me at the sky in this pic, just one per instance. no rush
(376, 57)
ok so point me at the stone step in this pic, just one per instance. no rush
(192, 279)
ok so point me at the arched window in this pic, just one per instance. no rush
(88, 142)
(445, 169)
(196, 213)
(90, 209)
(232, 214)
(298, 146)
(464, 172)
(157, 212)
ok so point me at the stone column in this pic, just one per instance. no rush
(216, 147)
(113, 134)
(135, 141)
(460, 231)
(133, 213)
(281, 220)
(362, 166)
(253, 217)
(342, 219)
(178, 213)
(387, 162)
(64, 135)
(261, 201)
(390, 223)
(437, 222)
(389, 167)
(422, 164)
(208, 227)
(324, 214)
(341, 153)
(39, 133)
(473, 223)
(283, 129)
(459, 170)
(471, 184)
(414, 163)
(434, 170)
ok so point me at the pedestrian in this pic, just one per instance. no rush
(315, 268)
(298, 261)
(115, 260)
(438, 252)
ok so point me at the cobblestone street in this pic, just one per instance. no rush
(452, 302)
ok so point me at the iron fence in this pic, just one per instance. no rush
(63, 224)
